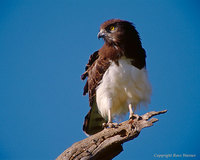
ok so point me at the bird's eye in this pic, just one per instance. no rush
(112, 28)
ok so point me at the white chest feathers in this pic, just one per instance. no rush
(122, 85)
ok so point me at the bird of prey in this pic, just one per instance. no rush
(117, 80)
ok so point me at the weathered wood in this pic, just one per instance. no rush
(108, 143)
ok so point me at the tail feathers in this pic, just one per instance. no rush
(93, 121)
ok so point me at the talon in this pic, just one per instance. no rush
(104, 125)
(134, 116)
(140, 118)
(110, 125)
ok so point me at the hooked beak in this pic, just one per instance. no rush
(101, 34)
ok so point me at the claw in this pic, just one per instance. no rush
(135, 116)
(110, 125)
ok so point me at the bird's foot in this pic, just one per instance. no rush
(134, 116)
(110, 125)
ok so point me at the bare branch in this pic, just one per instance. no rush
(108, 143)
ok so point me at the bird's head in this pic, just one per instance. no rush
(116, 31)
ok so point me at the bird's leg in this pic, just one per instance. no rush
(130, 111)
(110, 124)
(109, 116)
(132, 115)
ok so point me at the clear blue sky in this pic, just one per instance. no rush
(44, 46)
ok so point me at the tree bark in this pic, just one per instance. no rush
(107, 144)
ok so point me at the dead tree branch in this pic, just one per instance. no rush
(108, 143)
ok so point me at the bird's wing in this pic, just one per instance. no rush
(92, 59)
(95, 70)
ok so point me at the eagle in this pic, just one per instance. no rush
(117, 80)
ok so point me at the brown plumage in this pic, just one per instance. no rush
(121, 40)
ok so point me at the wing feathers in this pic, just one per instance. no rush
(93, 121)
(92, 59)
(96, 72)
